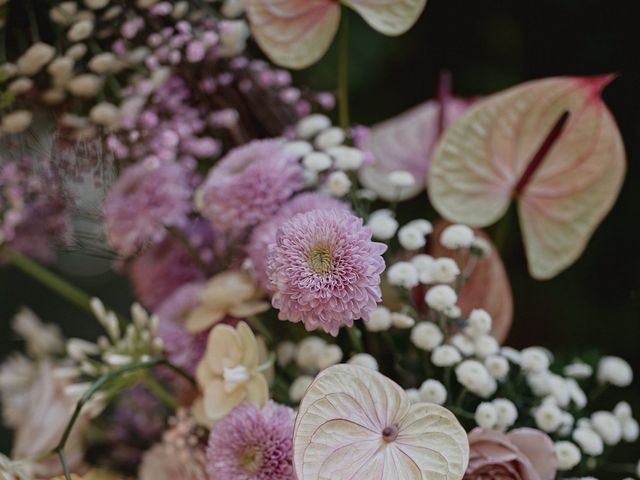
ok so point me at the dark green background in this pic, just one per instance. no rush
(487, 45)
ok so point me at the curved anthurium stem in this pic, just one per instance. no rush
(343, 72)
(99, 384)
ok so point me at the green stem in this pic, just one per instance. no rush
(355, 337)
(502, 231)
(627, 468)
(33, 23)
(260, 327)
(159, 391)
(48, 278)
(271, 361)
(460, 412)
(343, 72)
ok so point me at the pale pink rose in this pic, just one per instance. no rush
(522, 454)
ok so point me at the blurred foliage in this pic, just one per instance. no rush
(487, 45)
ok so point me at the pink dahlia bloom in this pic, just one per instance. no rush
(253, 444)
(147, 197)
(325, 270)
(249, 185)
(264, 235)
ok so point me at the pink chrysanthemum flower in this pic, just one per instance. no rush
(249, 185)
(147, 197)
(325, 270)
(252, 444)
(264, 234)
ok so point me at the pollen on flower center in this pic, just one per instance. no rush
(251, 459)
(320, 259)
(390, 433)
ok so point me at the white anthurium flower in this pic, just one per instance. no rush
(297, 33)
(354, 422)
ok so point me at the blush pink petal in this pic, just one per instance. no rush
(539, 448)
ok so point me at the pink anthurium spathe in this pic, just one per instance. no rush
(550, 144)
(407, 143)
(297, 33)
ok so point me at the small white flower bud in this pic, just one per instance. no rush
(589, 441)
(426, 336)
(86, 85)
(316, 161)
(506, 412)
(80, 30)
(104, 114)
(567, 454)
(382, 224)
(486, 345)
(444, 270)
(104, 63)
(548, 417)
(299, 387)
(457, 236)
(402, 321)
(339, 183)
(486, 415)
(445, 356)
(614, 370)
(63, 13)
(20, 85)
(36, 57)
(331, 137)
(498, 366)
(330, 355)
(308, 351)
(285, 353)
(16, 121)
(607, 426)
(464, 344)
(479, 323)
(77, 51)
(298, 149)
(433, 391)
(441, 297)
(233, 37)
(402, 179)
(402, 274)
(96, 4)
(534, 360)
(347, 158)
(364, 360)
(411, 238)
(379, 320)
(311, 125)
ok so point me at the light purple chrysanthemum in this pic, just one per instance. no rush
(264, 234)
(147, 197)
(183, 348)
(249, 185)
(253, 444)
(325, 270)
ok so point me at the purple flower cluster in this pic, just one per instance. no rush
(249, 185)
(33, 210)
(147, 197)
(325, 270)
(253, 444)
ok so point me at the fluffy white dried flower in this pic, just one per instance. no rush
(589, 441)
(346, 158)
(426, 336)
(382, 224)
(85, 85)
(548, 417)
(379, 320)
(474, 376)
(506, 412)
(308, 352)
(444, 270)
(36, 57)
(331, 137)
(402, 321)
(403, 274)
(364, 360)
(446, 356)
(607, 426)
(299, 387)
(80, 30)
(498, 366)
(311, 125)
(457, 236)
(339, 183)
(567, 454)
(433, 391)
(330, 355)
(402, 179)
(317, 161)
(534, 360)
(441, 297)
(614, 370)
(479, 323)
(16, 121)
(486, 415)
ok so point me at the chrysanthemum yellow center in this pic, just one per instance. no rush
(320, 259)
(250, 460)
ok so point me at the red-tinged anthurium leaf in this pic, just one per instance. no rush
(552, 145)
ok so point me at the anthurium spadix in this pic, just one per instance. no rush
(354, 422)
(297, 33)
(553, 146)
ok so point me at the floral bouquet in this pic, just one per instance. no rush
(296, 317)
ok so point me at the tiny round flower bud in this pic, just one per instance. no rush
(308, 351)
(588, 440)
(534, 360)
(607, 426)
(104, 63)
(433, 391)
(16, 121)
(622, 411)
(479, 323)
(486, 415)
(498, 366)
(299, 387)
(105, 114)
(96, 4)
(347, 158)
(413, 395)
(444, 270)
(382, 224)
(77, 51)
(285, 353)
(473, 375)
(364, 360)
(339, 183)
(441, 297)
(411, 238)
(445, 356)
(506, 412)
(330, 355)
(20, 85)
(36, 57)
(316, 161)
(379, 320)
(511, 354)
(63, 13)
(403, 274)
(402, 179)
(480, 247)
(233, 37)
(311, 125)
(85, 85)
(464, 344)
(548, 417)
(402, 321)
(457, 236)
(426, 336)
(630, 430)
(298, 149)
(331, 137)
(578, 370)
(486, 345)
(80, 30)
(423, 263)
(567, 454)
(614, 370)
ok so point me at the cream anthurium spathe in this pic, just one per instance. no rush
(297, 33)
(354, 422)
(228, 373)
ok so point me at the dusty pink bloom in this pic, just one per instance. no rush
(522, 454)
(325, 270)
(183, 348)
(249, 185)
(147, 197)
(264, 234)
(253, 444)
